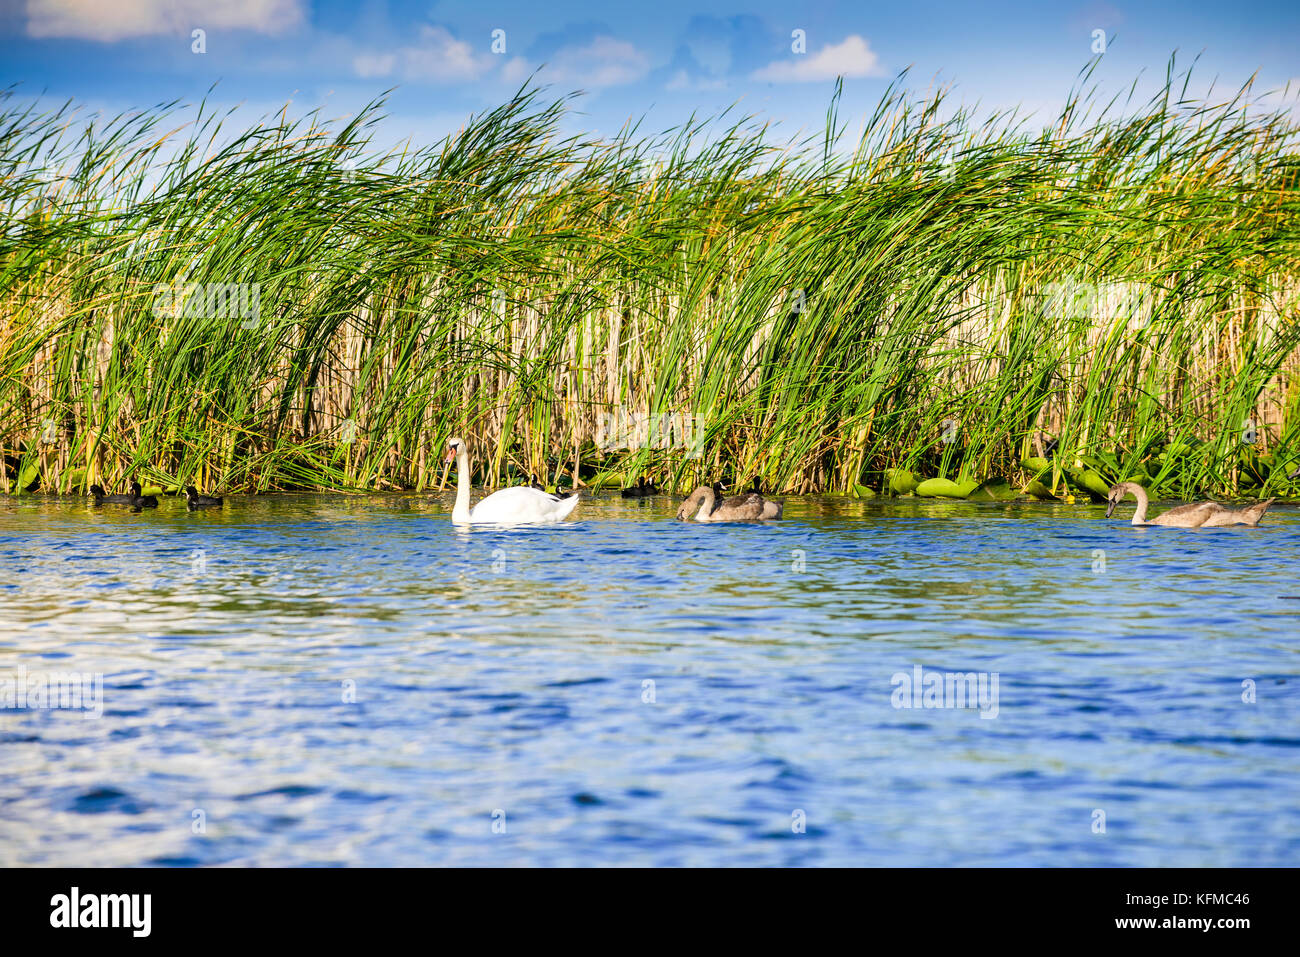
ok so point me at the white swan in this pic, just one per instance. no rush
(523, 505)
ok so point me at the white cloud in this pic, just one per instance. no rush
(369, 65)
(681, 81)
(515, 71)
(851, 58)
(437, 57)
(602, 62)
(442, 58)
(121, 19)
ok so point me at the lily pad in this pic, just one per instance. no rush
(901, 481)
(29, 474)
(1090, 481)
(945, 488)
(995, 490)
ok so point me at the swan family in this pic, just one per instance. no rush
(532, 505)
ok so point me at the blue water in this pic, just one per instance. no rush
(352, 681)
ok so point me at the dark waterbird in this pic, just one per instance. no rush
(101, 498)
(641, 489)
(734, 500)
(195, 501)
(536, 483)
(139, 501)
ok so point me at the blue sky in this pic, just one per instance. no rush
(663, 60)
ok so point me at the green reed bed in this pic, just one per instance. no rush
(188, 299)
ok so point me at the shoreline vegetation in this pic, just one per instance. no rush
(941, 304)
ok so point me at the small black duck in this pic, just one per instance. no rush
(139, 501)
(194, 501)
(102, 498)
(642, 489)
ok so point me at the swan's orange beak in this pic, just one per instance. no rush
(450, 456)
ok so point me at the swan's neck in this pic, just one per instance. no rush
(460, 511)
(1140, 513)
(706, 507)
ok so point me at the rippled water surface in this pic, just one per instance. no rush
(332, 680)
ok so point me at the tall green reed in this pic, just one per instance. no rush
(937, 296)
